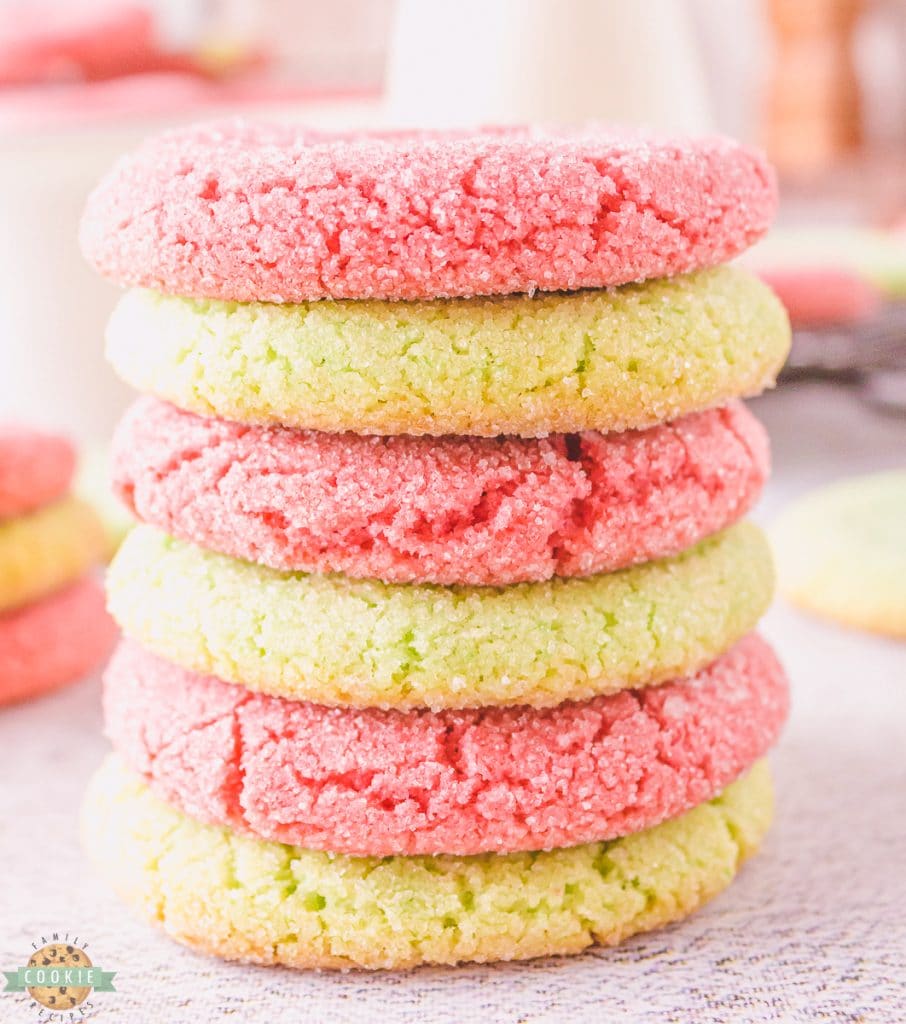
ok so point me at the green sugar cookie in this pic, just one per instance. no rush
(339, 641)
(45, 550)
(609, 359)
(263, 902)
(841, 552)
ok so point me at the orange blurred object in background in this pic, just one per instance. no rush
(813, 108)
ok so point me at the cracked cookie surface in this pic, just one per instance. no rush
(269, 212)
(439, 510)
(338, 641)
(371, 782)
(263, 902)
(608, 360)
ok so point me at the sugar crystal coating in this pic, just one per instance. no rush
(439, 510)
(262, 902)
(272, 213)
(611, 359)
(338, 641)
(381, 783)
(213, 217)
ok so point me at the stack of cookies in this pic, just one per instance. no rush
(439, 626)
(53, 625)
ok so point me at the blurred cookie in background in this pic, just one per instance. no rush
(54, 627)
(841, 552)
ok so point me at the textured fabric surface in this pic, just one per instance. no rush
(261, 211)
(364, 643)
(247, 899)
(811, 931)
(35, 469)
(54, 640)
(47, 549)
(844, 552)
(592, 360)
(439, 510)
(362, 781)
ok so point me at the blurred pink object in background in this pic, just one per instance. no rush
(57, 41)
(823, 296)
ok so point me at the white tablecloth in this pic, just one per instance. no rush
(813, 930)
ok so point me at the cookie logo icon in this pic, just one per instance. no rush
(59, 997)
(60, 977)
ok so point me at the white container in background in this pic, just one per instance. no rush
(53, 307)
(509, 61)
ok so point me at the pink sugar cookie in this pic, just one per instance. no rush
(462, 782)
(266, 212)
(60, 41)
(35, 469)
(54, 641)
(823, 296)
(443, 510)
